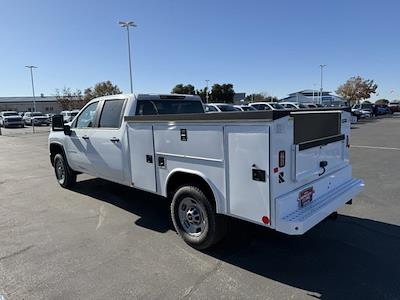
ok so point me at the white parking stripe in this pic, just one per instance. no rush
(373, 147)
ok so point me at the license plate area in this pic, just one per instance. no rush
(305, 196)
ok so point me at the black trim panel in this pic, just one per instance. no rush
(320, 142)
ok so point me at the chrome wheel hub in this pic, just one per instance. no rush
(192, 216)
(60, 172)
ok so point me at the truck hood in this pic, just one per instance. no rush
(12, 117)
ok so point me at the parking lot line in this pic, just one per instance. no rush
(375, 147)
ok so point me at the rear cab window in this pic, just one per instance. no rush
(112, 113)
(163, 107)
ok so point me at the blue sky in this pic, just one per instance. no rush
(259, 46)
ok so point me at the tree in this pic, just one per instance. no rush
(203, 94)
(261, 97)
(105, 88)
(69, 99)
(184, 89)
(222, 93)
(382, 101)
(356, 89)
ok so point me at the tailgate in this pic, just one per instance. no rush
(320, 140)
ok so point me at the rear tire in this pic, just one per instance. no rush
(66, 177)
(195, 219)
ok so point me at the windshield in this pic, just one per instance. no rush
(277, 106)
(210, 108)
(74, 113)
(226, 107)
(37, 114)
(366, 106)
(246, 108)
(10, 113)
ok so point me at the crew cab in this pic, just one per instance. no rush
(284, 170)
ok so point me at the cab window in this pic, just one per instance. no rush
(111, 116)
(87, 117)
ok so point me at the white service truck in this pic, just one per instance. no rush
(285, 170)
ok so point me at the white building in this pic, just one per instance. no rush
(313, 96)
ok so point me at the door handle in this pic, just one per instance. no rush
(114, 140)
(85, 137)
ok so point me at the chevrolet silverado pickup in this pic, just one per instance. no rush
(284, 170)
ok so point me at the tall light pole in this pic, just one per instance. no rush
(33, 86)
(313, 93)
(207, 80)
(34, 98)
(322, 71)
(127, 25)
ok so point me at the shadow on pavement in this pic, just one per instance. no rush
(351, 258)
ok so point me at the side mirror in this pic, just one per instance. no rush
(67, 129)
(58, 124)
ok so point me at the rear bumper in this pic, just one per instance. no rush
(304, 218)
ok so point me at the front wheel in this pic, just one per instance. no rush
(195, 219)
(65, 176)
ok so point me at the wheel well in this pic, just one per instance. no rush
(55, 149)
(179, 179)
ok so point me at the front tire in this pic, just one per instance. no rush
(66, 177)
(195, 219)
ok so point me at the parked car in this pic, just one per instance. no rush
(383, 109)
(266, 105)
(292, 105)
(360, 113)
(394, 106)
(245, 107)
(36, 118)
(10, 118)
(364, 106)
(220, 107)
(69, 115)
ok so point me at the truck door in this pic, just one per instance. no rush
(142, 156)
(106, 147)
(78, 143)
(248, 172)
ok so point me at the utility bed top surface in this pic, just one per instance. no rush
(226, 116)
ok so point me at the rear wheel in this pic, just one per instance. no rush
(195, 219)
(66, 177)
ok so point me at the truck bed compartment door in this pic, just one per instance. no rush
(248, 171)
(142, 156)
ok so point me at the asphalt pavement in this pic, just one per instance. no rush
(101, 240)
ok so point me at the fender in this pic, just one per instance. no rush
(218, 196)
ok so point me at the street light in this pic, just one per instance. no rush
(34, 98)
(207, 80)
(322, 70)
(127, 25)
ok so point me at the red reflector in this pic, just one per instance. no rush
(265, 220)
(282, 158)
(276, 170)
